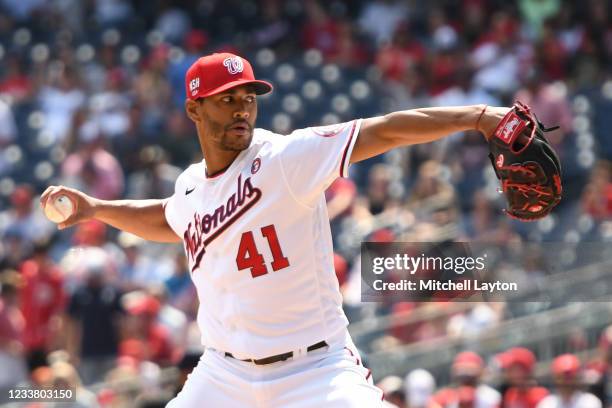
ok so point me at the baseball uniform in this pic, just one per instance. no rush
(259, 247)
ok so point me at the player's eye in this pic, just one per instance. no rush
(250, 99)
(227, 99)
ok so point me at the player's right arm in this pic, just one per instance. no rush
(144, 218)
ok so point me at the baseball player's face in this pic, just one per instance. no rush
(229, 118)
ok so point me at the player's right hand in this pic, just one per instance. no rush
(84, 205)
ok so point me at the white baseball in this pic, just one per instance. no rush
(59, 210)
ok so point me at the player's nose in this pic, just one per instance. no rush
(241, 114)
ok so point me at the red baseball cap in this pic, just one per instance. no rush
(467, 362)
(519, 356)
(566, 364)
(213, 74)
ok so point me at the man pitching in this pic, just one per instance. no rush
(254, 225)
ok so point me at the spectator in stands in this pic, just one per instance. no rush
(320, 31)
(340, 197)
(380, 18)
(393, 391)
(12, 325)
(195, 44)
(152, 90)
(136, 269)
(597, 195)
(42, 301)
(536, 12)
(16, 83)
(378, 193)
(419, 386)
(430, 190)
(178, 141)
(65, 377)
(597, 371)
(394, 60)
(466, 372)
(8, 132)
(497, 56)
(109, 108)
(23, 221)
(412, 91)
(155, 341)
(566, 370)
(122, 384)
(518, 364)
(172, 22)
(550, 101)
(155, 177)
(350, 51)
(60, 99)
(92, 168)
(93, 321)
(179, 288)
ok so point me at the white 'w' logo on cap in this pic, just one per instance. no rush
(234, 65)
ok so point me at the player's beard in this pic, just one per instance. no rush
(236, 143)
(223, 138)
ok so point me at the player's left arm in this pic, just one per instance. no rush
(383, 133)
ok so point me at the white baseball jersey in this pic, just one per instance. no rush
(258, 242)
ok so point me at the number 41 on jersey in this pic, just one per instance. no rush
(249, 257)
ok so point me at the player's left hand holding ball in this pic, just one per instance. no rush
(66, 206)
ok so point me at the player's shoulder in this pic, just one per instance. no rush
(191, 173)
(263, 136)
(266, 137)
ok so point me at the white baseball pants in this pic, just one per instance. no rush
(332, 376)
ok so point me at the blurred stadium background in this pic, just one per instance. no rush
(91, 96)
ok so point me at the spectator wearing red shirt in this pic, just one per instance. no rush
(16, 83)
(320, 31)
(42, 300)
(350, 52)
(395, 60)
(340, 197)
(518, 364)
(147, 331)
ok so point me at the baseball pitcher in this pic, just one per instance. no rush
(253, 222)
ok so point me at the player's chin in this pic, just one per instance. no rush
(237, 141)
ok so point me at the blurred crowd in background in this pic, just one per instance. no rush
(92, 97)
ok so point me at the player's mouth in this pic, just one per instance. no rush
(241, 128)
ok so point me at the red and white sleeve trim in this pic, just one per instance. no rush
(348, 149)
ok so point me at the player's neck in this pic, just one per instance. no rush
(218, 161)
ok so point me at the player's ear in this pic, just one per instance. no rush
(191, 107)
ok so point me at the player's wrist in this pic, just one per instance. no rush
(490, 119)
(480, 112)
(94, 208)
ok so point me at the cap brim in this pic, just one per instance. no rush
(261, 87)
